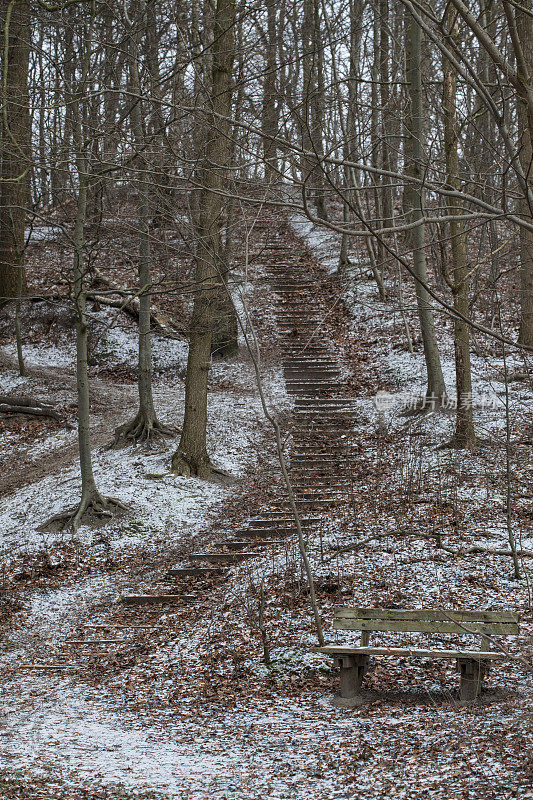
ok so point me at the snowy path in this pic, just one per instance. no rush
(67, 728)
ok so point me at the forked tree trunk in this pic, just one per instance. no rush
(414, 203)
(191, 457)
(459, 280)
(16, 159)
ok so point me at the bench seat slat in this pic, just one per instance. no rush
(478, 655)
(494, 628)
(427, 615)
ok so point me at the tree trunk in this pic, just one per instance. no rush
(385, 98)
(270, 108)
(191, 457)
(414, 204)
(145, 423)
(91, 502)
(524, 24)
(16, 158)
(312, 105)
(464, 431)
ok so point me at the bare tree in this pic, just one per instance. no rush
(16, 157)
(191, 457)
(414, 205)
(459, 281)
(145, 424)
(92, 502)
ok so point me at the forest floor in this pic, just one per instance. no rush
(176, 702)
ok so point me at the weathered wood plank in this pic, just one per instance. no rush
(146, 599)
(413, 652)
(427, 614)
(221, 557)
(196, 572)
(494, 628)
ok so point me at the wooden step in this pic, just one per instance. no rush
(236, 544)
(266, 534)
(197, 572)
(152, 599)
(221, 558)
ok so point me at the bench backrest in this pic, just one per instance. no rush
(493, 623)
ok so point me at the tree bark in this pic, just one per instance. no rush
(524, 24)
(312, 108)
(414, 205)
(270, 108)
(464, 431)
(191, 457)
(145, 424)
(16, 159)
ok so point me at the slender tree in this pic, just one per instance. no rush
(524, 44)
(459, 281)
(92, 502)
(145, 424)
(414, 206)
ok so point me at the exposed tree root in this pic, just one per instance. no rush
(92, 508)
(141, 429)
(462, 443)
(199, 468)
(189, 467)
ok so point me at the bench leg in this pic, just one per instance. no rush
(472, 674)
(353, 669)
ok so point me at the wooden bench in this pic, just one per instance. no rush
(471, 664)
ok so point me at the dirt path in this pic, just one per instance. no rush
(53, 384)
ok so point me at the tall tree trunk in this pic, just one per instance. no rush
(312, 105)
(459, 280)
(191, 457)
(375, 129)
(92, 503)
(385, 99)
(145, 423)
(269, 121)
(524, 24)
(16, 157)
(414, 205)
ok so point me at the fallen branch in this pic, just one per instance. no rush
(497, 551)
(346, 548)
(468, 551)
(131, 306)
(26, 405)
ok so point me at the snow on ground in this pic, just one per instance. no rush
(277, 750)
(165, 506)
(407, 370)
